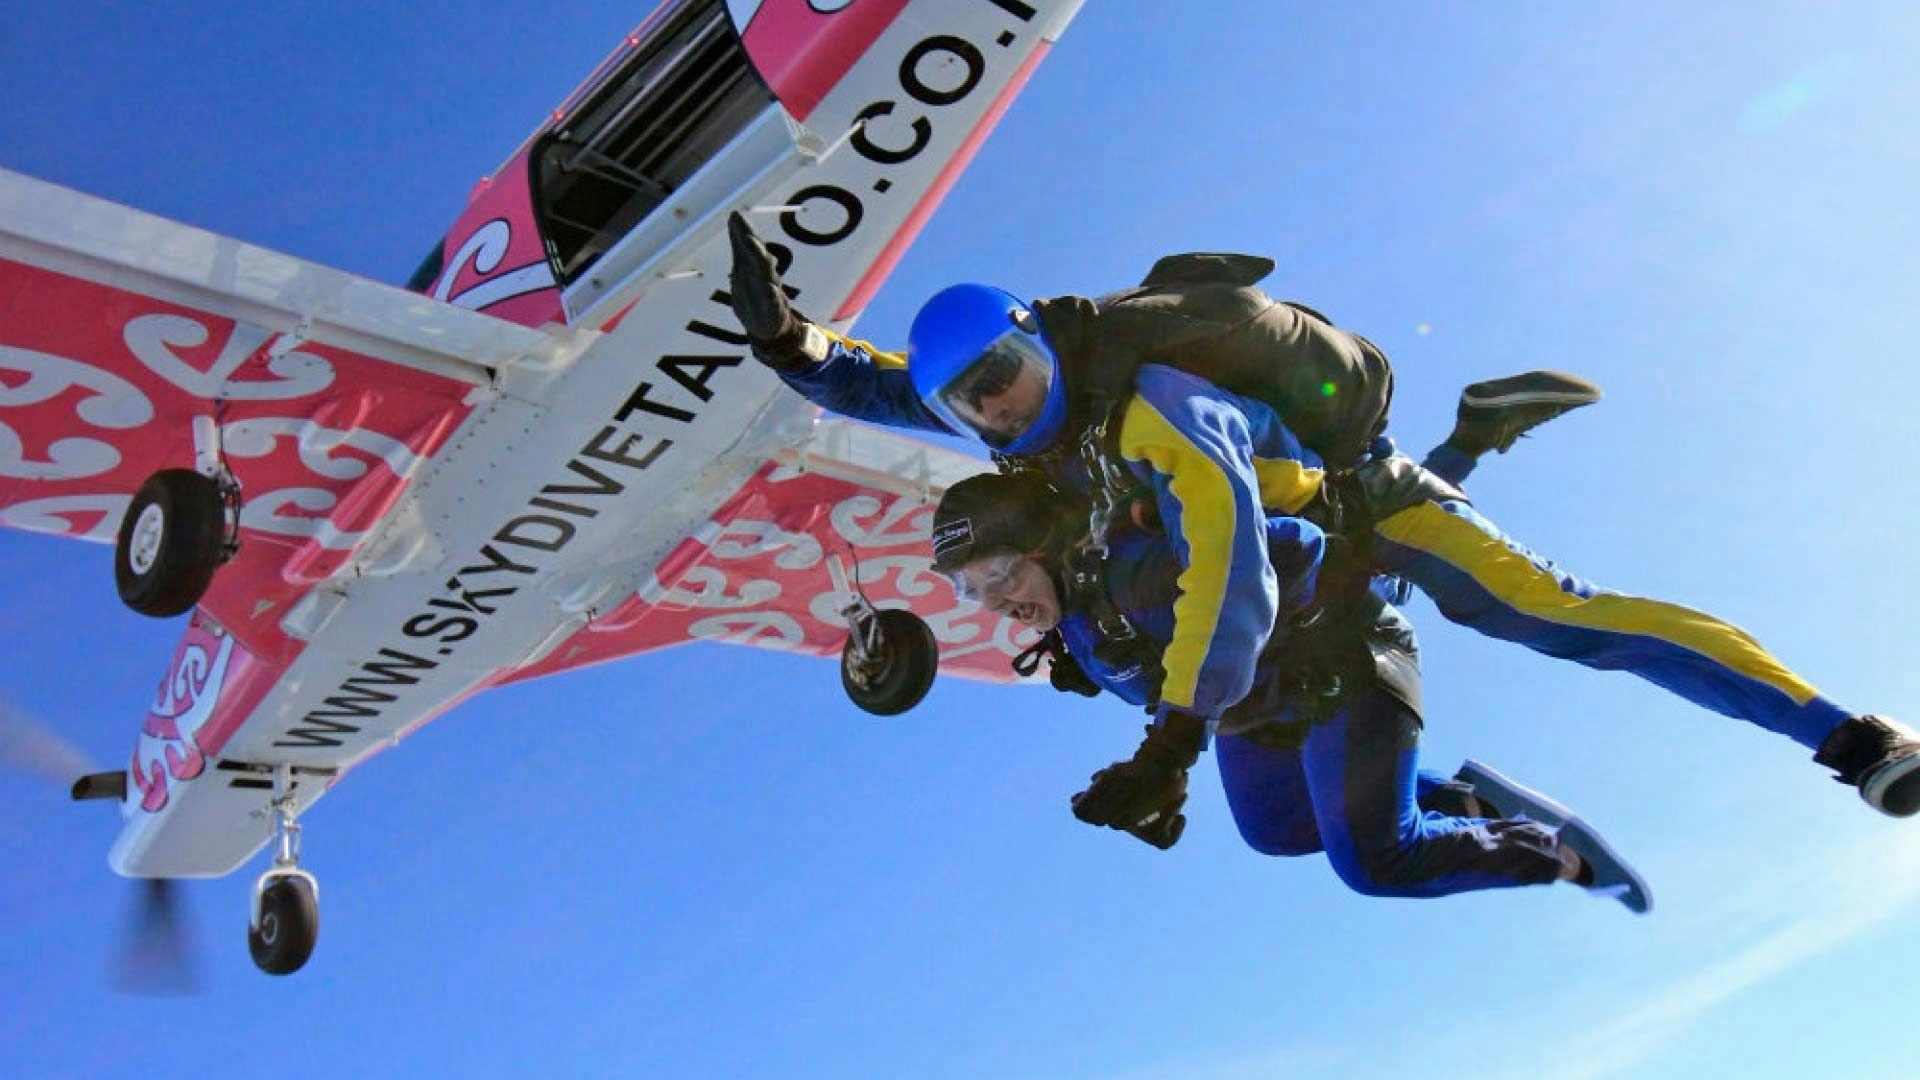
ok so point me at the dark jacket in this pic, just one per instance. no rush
(1203, 314)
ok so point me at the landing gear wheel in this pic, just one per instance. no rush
(893, 669)
(171, 541)
(288, 927)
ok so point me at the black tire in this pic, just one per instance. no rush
(170, 543)
(289, 927)
(909, 658)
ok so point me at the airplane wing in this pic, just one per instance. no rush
(557, 452)
(849, 507)
(118, 329)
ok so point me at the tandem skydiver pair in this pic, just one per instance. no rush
(1197, 400)
(1321, 755)
(1063, 385)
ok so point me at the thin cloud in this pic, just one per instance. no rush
(1866, 884)
(1796, 95)
(1842, 895)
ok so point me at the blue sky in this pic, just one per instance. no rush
(647, 869)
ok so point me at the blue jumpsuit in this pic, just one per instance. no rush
(1221, 463)
(1348, 784)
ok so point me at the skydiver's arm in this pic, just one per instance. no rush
(855, 379)
(850, 377)
(1295, 548)
(1212, 469)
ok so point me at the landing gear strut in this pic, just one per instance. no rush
(888, 663)
(286, 899)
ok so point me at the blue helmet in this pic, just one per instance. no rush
(979, 360)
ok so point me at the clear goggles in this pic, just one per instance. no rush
(985, 579)
(1002, 394)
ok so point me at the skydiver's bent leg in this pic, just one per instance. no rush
(1360, 770)
(1451, 464)
(1491, 416)
(1266, 789)
(1480, 578)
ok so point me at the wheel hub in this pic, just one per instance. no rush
(148, 529)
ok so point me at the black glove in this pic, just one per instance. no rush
(760, 302)
(1163, 831)
(1147, 791)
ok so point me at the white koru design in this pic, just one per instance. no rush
(113, 403)
(767, 629)
(153, 340)
(744, 539)
(67, 459)
(711, 584)
(194, 686)
(263, 512)
(49, 515)
(886, 531)
(484, 249)
(914, 574)
(957, 625)
(914, 577)
(1007, 637)
(182, 685)
(318, 444)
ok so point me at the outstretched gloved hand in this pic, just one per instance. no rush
(1143, 795)
(760, 301)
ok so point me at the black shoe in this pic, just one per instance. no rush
(1880, 757)
(1496, 412)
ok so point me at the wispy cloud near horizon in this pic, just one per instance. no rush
(1862, 885)
(1840, 894)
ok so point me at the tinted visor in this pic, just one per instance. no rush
(1002, 394)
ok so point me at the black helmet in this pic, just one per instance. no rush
(991, 513)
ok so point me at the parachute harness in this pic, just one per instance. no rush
(1115, 498)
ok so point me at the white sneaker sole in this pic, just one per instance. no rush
(1875, 790)
(1529, 397)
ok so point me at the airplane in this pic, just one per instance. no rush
(549, 449)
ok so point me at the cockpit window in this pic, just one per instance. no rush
(677, 101)
(430, 268)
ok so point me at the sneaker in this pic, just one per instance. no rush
(1496, 412)
(1613, 877)
(1881, 757)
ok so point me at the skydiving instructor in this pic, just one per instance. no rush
(1197, 395)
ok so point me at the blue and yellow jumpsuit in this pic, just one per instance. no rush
(1300, 779)
(1222, 463)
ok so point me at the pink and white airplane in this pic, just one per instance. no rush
(550, 450)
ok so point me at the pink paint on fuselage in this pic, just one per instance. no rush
(497, 235)
(803, 54)
(211, 688)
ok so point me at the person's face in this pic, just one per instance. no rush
(1014, 587)
(1012, 411)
